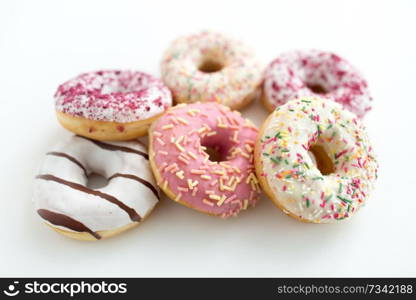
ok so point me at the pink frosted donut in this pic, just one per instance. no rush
(111, 105)
(315, 73)
(179, 143)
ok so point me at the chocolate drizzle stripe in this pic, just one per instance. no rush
(116, 148)
(134, 216)
(65, 221)
(141, 180)
(72, 159)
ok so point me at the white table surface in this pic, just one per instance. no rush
(43, 43)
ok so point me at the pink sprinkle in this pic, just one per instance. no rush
(231, 198)
(183, 160)
(338, 155)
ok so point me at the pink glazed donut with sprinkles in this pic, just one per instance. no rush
(220, 184)
(315, 73)
(111, 105)
(210, 67)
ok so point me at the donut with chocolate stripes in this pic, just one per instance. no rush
(65, 202)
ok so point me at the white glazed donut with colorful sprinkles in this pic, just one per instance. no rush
(315, 161)
(65, 202)
(210, 67)
(112, 104)
(315, 73)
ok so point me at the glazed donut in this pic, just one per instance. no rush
(315, 73)
(210, 67)
(111, 105)
(345, 171)
(179, 145)
(65, 202)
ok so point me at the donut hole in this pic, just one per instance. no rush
(317, 88)
(214, 153)
(210, 65)
(96, 181)
(321, 159)
(215, 147)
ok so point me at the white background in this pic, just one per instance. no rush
(42, 44)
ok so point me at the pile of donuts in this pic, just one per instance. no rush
(312, 156)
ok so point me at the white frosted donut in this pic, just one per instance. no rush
(210, 67)
(307, 73)
(111, 105)
(346, 169)
(64, 201)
